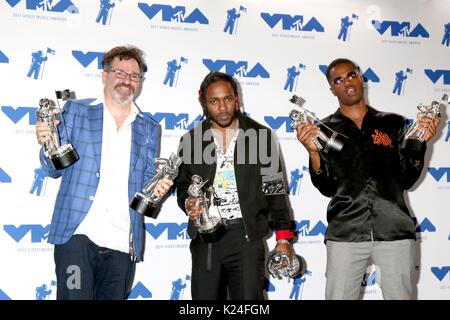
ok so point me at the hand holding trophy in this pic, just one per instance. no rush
(280, 265)
(414, 144)
(145, 203)
(60, 156)
(211, 228)
(335, 140)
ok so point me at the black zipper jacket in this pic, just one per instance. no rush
(260, 184)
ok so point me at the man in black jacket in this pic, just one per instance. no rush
(239, 158)
(367, 215)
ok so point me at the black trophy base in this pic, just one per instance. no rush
(413, 148)
(65, 159)
(139, 204)
(214, 235)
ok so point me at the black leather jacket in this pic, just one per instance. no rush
(260, 193)
(366, 180)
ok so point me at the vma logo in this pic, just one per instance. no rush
(288, 22)
(303, 228)
(3, 295)
(239, 69)
(174, 231)
(173, 14)
(173, 121)
(435, 75)
(368, 75)
(400, 29)
(139, 290)
(276, 123)
(440, 272)
(37, 231)
(425, 225)
(47, 5)
(16, 114)
(4, 177)
(3, 58)
(439, 173)
(87, 58)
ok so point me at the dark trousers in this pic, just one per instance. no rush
(85, 271)
(231, 265)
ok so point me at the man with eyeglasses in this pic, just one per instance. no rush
(97, 237)
(367, 216)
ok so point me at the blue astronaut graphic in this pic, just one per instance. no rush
(104, 11)
(296, 180)
(446, 39)
(400, 77)
(38, 181)
(346, 23)
(38, 60)
(178, 287)
(232, 19)
(291, 79)
(42, 293)
(173, 67)
(298, 285)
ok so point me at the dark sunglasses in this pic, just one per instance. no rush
(340, 80)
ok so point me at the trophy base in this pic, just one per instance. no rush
(413, 148)
(65, 157)
(141, 206)
(214, 234)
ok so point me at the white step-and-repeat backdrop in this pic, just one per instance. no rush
(275, 49)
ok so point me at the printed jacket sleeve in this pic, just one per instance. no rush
(274, 188)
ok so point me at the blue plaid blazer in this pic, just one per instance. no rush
(84, 123)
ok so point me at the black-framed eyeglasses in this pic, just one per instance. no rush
(120, 74)
(340, 80)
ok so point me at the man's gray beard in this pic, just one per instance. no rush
(122, 100)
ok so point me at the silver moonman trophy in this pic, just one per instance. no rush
(60, 156)
(210, 228)
(324, 143)
(413, 144)
(280, 265)
(145, 202)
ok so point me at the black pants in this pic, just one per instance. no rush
(85, 271)
(231, 265)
